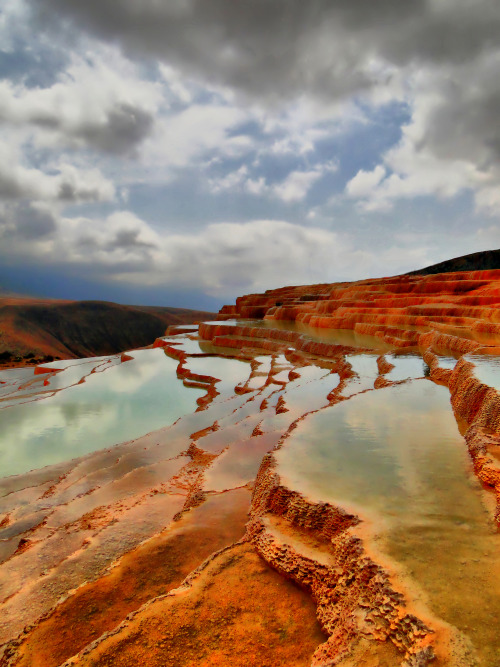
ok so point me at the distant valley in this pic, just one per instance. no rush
(34, 330)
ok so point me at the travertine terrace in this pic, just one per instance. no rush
(325, 503)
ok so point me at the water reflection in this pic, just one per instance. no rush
(405, 366)
(122, 403)
(347, 337)
(487, 369)
(395, 456)
(228, 372)
(21, 386)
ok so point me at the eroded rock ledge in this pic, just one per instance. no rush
(353, 594)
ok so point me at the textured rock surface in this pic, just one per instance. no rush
(394, 309)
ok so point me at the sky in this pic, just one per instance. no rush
(185, 152)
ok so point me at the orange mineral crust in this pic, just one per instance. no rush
(354, 596)
(235, 610)
(152, 569)
(470, 300)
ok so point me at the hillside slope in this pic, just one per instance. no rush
(37, 328)
(476, 261)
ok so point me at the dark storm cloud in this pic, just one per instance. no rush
(34, 224)
(12, 187)
(27, 223)
(70, 192)
(128, 239)
(86, 243)
(119, 129)
(126, 127)
(272, 48)
(468, 124)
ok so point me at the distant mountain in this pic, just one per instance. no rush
(476, 261)
(34, 329)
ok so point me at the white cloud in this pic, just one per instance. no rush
(488, 200)
(416, 173)
(63, 183)
(489, 236)
(180, 88)
(122, 239)
(182, 138)
(233, 180)
(256, 186)
(225, 259)
(451, 144)
(12, 21)
(363, 184)
(99, 101)
(222, 260)
(293, 188)
(296, 185)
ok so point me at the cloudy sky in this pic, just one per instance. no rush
(183, 152)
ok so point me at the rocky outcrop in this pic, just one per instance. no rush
(354, 595)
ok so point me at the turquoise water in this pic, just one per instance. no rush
(120, 403)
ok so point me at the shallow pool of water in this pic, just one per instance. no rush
(447, 362)
(185, 343)
(22, 387)
(346, 337)
(228, 372)
(121, 403)
(364, 365)
(487, 369)
(406, 366)
(395, 457)
(302, 396)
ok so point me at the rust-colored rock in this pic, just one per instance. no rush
(354, 596)
(394, 309)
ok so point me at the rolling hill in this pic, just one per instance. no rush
(476, 261)
(34, 329)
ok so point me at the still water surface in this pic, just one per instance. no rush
(395, 457)
(121, 403)
(487, 369)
